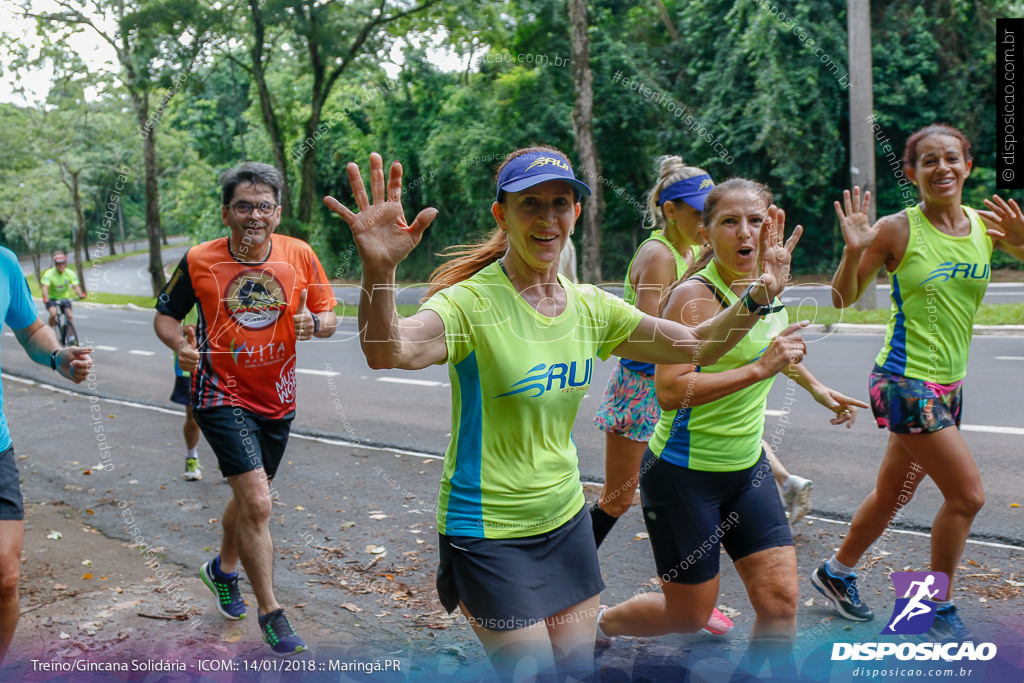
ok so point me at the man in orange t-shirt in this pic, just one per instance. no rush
(257, 294)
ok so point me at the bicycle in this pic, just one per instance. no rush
(65, 329)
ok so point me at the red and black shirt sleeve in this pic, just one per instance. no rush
(178, 296)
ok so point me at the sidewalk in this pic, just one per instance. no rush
(355, 561)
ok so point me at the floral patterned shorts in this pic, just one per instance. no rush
(629, 407)
(913, 406)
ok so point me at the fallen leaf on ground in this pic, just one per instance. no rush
(350, 607)
(379, 516)
(641, 536)
(87, 563)
(55, 535)
(86, 577)
(376, 549)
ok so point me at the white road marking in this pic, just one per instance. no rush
(135, 322)
(139, 352)
(417, 382)
(1009, 357)
(992, 429)
(320, 373)
(101, 347)
(8, 334)
(987, 429)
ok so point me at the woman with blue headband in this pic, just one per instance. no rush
(516, 544)
(705, 478)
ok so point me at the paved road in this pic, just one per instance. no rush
(128, 275)
(341, 397)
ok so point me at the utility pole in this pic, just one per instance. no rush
(862, 104)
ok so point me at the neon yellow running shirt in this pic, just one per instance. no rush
(59, 283)
(629, 294)
(935, 292)
(724, 435)
(511, 468)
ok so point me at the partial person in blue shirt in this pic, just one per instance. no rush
(74, 363)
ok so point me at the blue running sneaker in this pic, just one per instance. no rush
(280, 635)
(842, 591)
(229, 600)
(948, 626)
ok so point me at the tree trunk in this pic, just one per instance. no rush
(156, 265)
(81, 243)
(583, 129)
(308, 188)
(267, 106)
(36, 266)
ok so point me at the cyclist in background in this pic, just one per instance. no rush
(55, 282)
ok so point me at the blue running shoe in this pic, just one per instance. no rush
(280, 635)
(948, 626)
(229, 600)
(842, 591)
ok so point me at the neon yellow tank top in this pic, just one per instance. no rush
(629, 294)
(935, 292)
(724, 435)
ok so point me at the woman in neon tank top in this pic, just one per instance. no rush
(703, 473)
(517, 550)
(937, 255)
(629, 410)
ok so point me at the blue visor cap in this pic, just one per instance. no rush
(534, 168)
(690, 190)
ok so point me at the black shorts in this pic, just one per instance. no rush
(11, 506)
(691, 514)
(182, 392)
(511, 583)
(52, 303)
(242, 440)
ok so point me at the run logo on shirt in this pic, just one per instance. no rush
(950, 270)
(542, 378)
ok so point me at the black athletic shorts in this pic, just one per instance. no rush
(511, 583)
(691, 514)
(52, 303)
(242, 440)
(182, 392)
(11, 506)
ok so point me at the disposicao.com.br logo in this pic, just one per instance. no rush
(914, 614)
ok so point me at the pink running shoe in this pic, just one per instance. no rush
(718, 624)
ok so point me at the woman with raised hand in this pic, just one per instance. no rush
(517, 550)
(705, 480)
(629, 409)
(938, 256)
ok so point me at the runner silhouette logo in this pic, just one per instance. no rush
(915, 608)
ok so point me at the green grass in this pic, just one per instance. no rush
(988, 314)
(98, 297)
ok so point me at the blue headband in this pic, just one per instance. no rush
(535, 168)
(690, 190)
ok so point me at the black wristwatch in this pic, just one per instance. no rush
(757, 309)
(53, 360)
(316, 322)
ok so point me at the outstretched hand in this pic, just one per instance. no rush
(1004, 221)
(855, 220)
(774, 257)
(75, 363)
(382, 235)
(842, 405)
